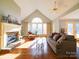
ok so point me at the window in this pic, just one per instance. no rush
(40, 29)
(77, 30)
(33, 28)
(70, 29)
(36, 20)
(73, 29)
(37, 26)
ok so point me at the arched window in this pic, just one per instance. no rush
(37, 26)
(37, 20)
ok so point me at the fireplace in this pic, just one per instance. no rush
(12, 37)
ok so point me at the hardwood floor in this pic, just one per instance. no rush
(36, 51)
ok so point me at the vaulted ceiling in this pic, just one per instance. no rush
(45, 7)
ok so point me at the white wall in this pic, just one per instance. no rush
(56, 25)
(9, 7)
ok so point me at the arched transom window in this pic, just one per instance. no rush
(37, 26)
(37, 20)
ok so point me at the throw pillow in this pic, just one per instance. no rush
(54, 37)
(60, 40)
(58, 36)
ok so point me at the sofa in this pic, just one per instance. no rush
(66, 47)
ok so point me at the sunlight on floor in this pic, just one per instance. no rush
(9, 56)
(29, 43)
(25, 45)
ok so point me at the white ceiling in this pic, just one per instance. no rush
(45, 6)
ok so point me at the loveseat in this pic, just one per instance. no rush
(65, 48)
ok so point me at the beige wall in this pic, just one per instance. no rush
(49, 28)
(37, 13)
(58, 24)
(9, 7)
(63, 23)
(29, 19)
(0, 34)
(24, 28)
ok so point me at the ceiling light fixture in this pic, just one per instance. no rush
(55, 6)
